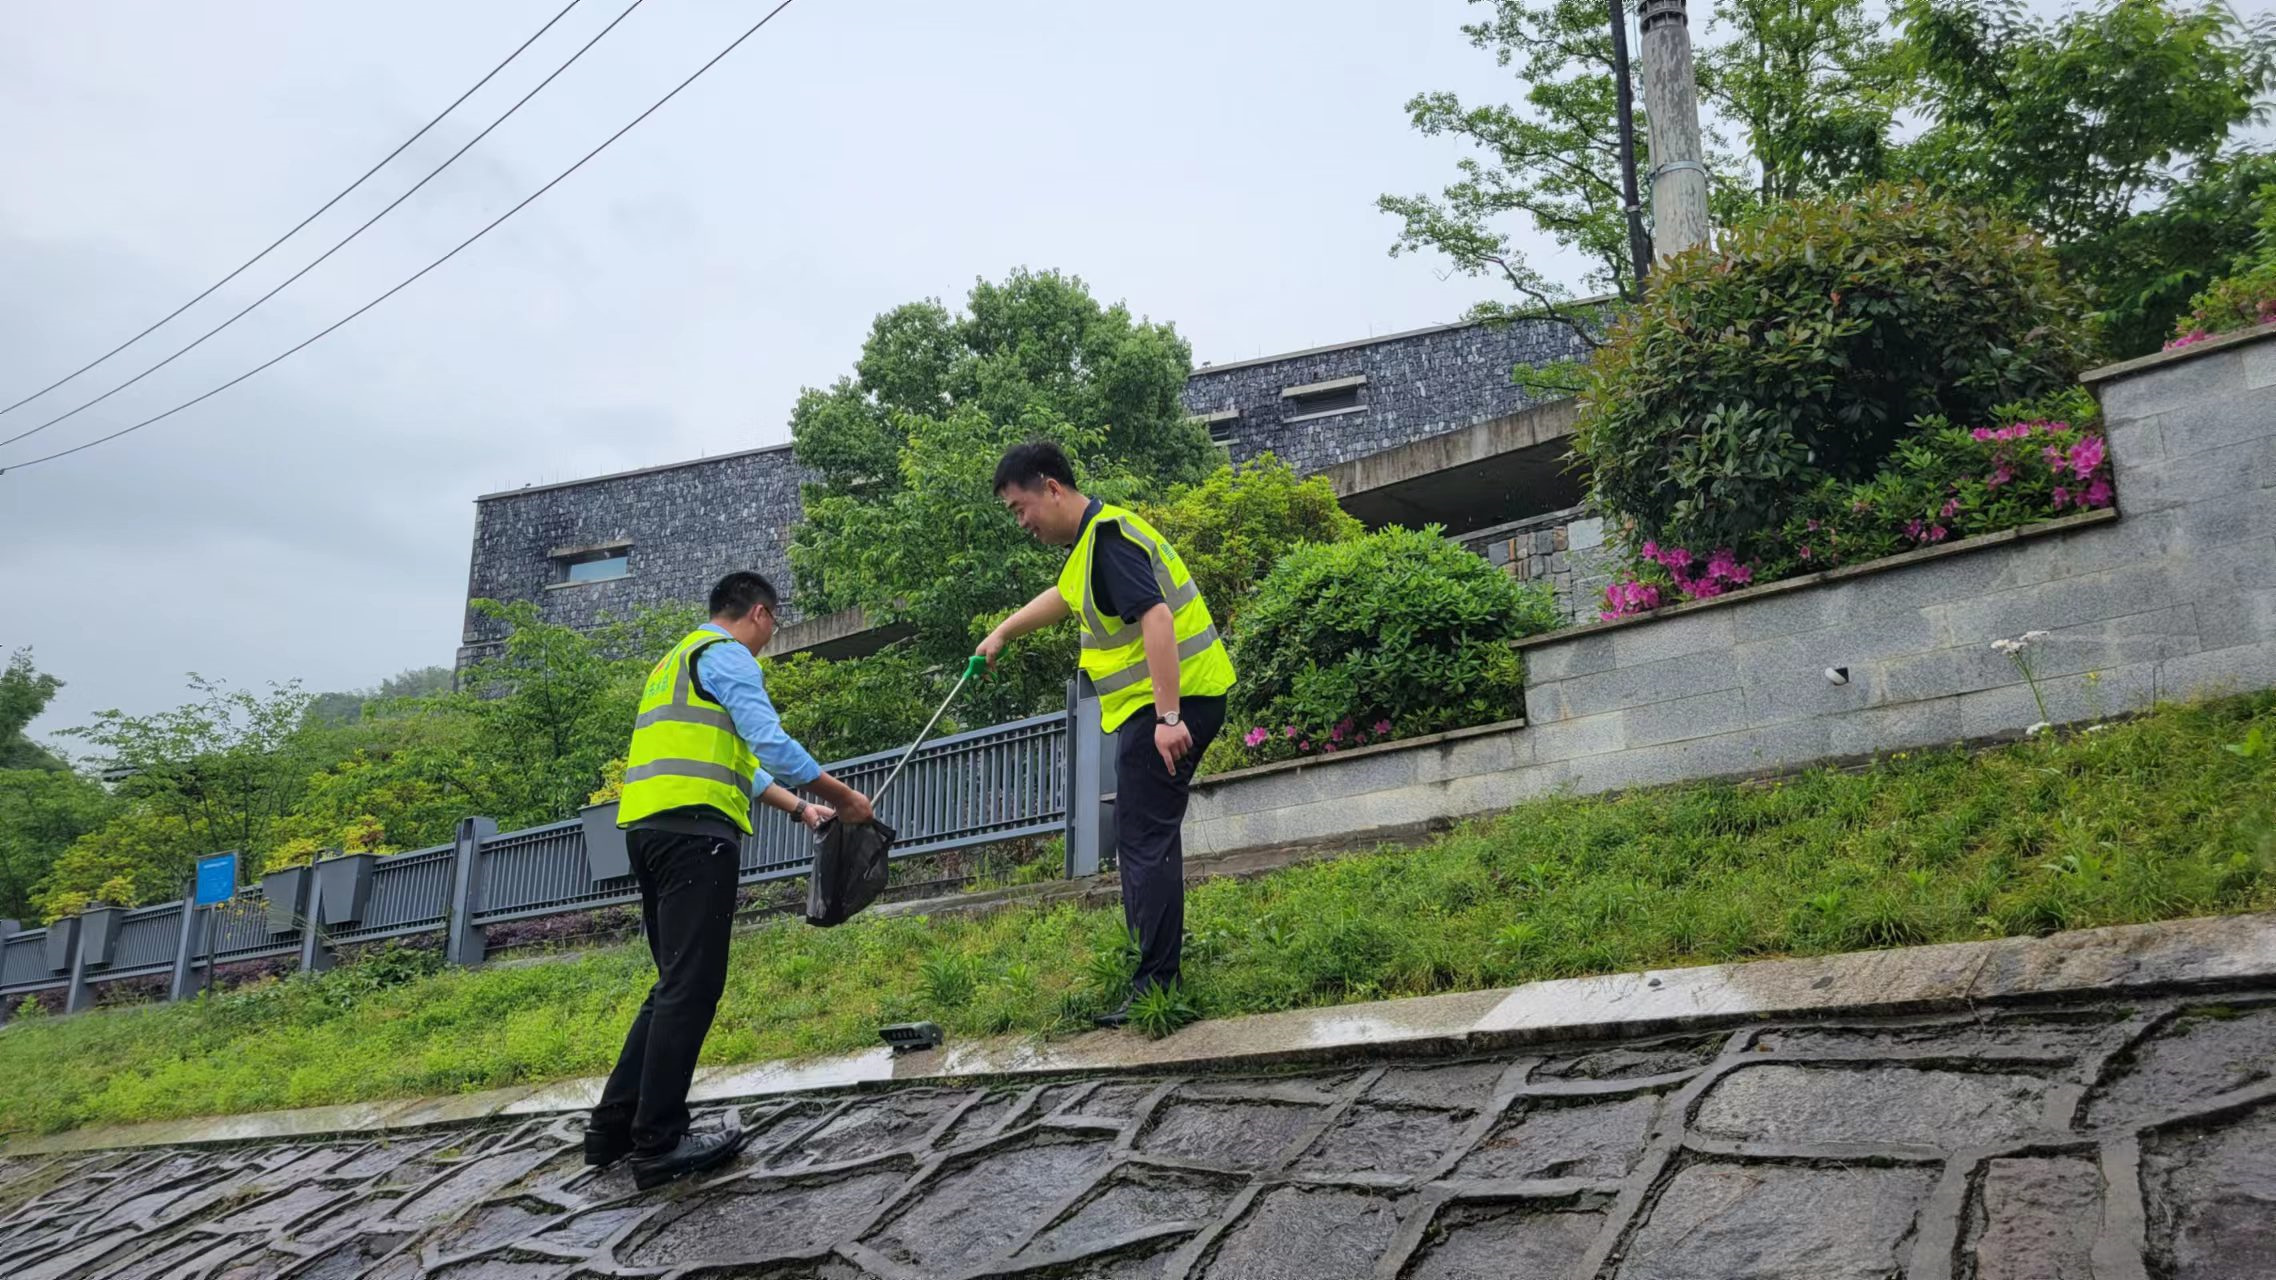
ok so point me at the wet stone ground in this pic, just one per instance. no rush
(2130, 1139)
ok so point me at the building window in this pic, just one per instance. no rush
(1321, 399)
(1221, 424)
(578, 565)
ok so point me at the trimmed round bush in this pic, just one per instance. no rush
(1805, 346)
(1391, 635)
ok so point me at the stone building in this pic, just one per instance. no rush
(586, 550)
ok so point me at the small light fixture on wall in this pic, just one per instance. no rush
(1837, 675)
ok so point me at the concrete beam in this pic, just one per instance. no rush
(848, 633)
(1497, 471)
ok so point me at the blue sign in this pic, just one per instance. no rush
(217, 879)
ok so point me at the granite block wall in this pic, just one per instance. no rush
(1567, 550)
(1417, 385)
(684, 527)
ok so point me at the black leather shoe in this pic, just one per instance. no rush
(1119, 1018)
(696, 1153)
(604, 1147)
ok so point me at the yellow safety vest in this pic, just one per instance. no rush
(1114, 652)
(685, 750)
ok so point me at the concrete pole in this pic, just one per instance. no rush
(1671, 96)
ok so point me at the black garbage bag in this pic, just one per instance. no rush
(849, 870)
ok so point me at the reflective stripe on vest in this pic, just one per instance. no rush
(685, 751)
(1114, 652)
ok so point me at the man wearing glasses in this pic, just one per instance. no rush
(706, 742)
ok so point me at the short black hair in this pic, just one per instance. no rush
(740, 592)
(1029, 465)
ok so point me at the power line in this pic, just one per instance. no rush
(343, 243)
(321, 210)
(528, 200)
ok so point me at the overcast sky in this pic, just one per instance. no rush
(1214, 164)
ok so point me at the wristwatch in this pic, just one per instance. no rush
(799, 814)
(1172, 719)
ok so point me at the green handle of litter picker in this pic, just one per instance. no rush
(978, 666)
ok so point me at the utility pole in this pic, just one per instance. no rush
(1671, 95)
(1639, 244)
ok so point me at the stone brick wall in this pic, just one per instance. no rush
(1566, 549)
(1418, 384)
(687, 525)
(2173, 598)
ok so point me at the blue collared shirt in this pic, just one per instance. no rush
(732, 677)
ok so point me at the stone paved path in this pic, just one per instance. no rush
(2130, 1139)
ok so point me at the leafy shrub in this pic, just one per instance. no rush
(1944, 484)
(1233, 527)
(1392, 635)
(1805, 347)
(2242, 301)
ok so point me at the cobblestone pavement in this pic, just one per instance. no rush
(2130, 1138)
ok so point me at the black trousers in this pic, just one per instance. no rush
(1149, 834)
(687, 903)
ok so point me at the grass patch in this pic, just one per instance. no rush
(2151, 819)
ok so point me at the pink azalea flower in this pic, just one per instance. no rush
(1305, 745)
(2097, 494)
(1982, 433)
(1651, 549)
(2062, 497)
(1382, 726)
(1255, 737)
(1813, 526)
(1329, 748)
(1291, 731)
(2086, 455)
(1915, 530)
(1937, 532)
(1805, 553)
(1951, 508)
(2001, 474)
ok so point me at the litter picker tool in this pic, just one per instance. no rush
(850, 859)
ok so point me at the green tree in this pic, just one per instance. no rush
(1036, 342)
(548, 713)
(839, 710)
(347, 706)
(42, 811)
(220, 770)
(905, 522)
(25, 692)
(1233, 527)
(2073, 123)
(941, 553)
(143, 854)
(2110, 130)
(1805, 83)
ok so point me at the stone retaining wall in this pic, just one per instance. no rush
(2174, 598)
(1565, 549)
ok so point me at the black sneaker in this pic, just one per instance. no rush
(696, 1153)
(1119, 1018)
(604, 1147)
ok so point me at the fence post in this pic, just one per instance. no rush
(1090, 767)
(315, 957)
(462, 942)
(185, 946)
(8, 931)
(77, 995)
